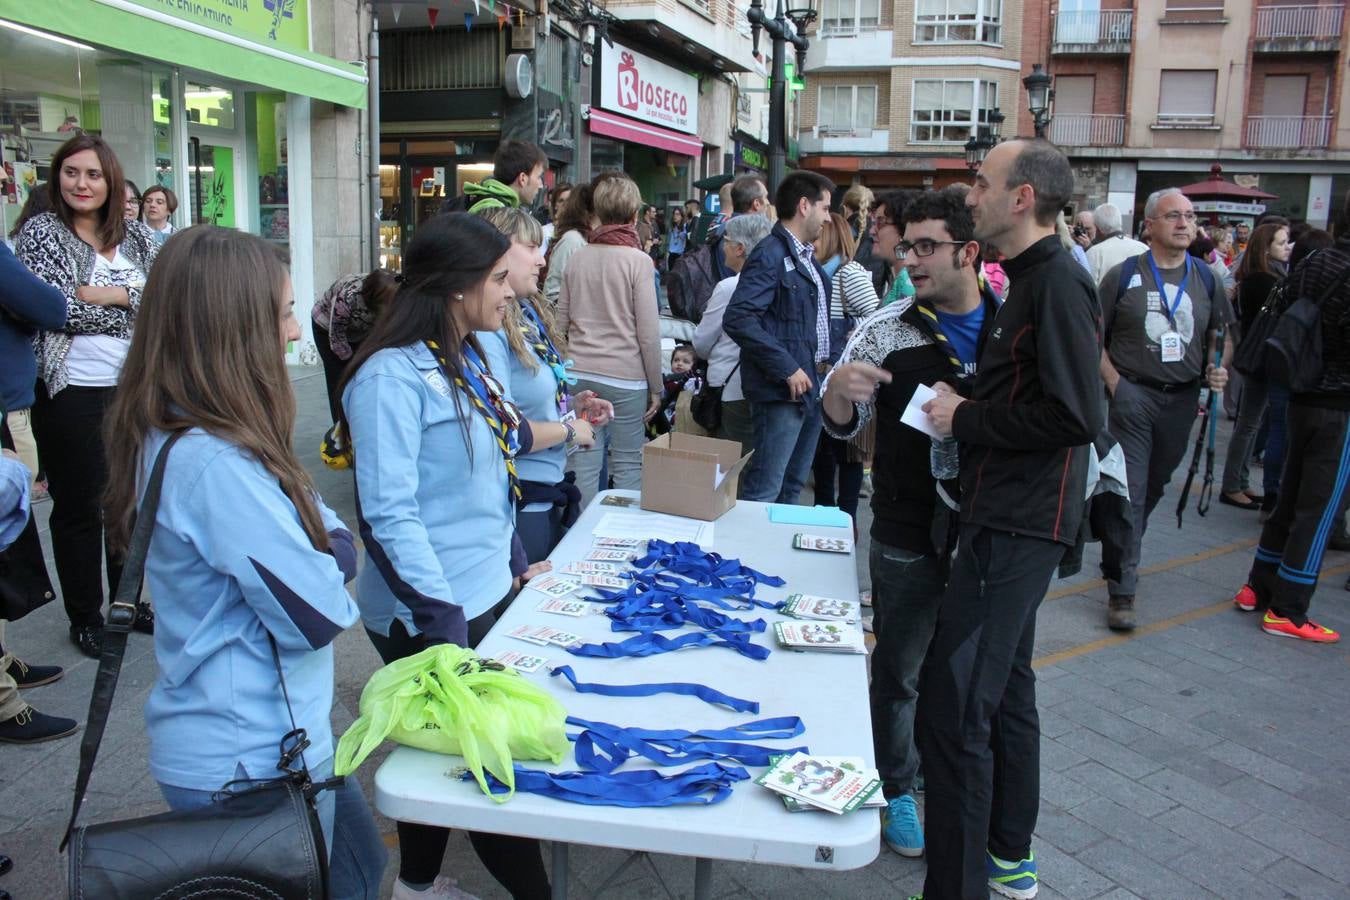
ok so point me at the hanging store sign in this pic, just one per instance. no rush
(635, 85)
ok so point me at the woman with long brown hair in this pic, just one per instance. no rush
(1262, 269)
(435, 439)
(99, 260)
(245, 557)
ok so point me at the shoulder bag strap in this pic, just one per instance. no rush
(121, 616)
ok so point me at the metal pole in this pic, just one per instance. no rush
(373, 135)
(778, 103)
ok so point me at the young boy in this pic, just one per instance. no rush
(681, 383)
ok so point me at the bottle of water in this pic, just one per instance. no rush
(945, 459)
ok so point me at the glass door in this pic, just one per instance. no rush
(215, 156)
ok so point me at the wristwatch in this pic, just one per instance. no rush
(571, 434)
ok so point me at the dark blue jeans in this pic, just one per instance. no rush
(906, 593)
(785, 444)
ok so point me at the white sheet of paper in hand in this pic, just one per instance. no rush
(915, 417)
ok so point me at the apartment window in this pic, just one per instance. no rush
(847, 108)
(958, 21)
(1194, 9)
(946, 110)
(843, 17)
(1186, 96)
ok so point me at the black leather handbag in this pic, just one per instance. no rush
(706, 405)
(259, 839)
(1250, 356)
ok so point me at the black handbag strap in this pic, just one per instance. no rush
(121, 616)
(727, 380)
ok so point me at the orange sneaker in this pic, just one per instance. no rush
(1308, 631)
(1245, 599)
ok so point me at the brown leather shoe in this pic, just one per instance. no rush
(1120, 613)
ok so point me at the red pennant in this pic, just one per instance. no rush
(432, 13)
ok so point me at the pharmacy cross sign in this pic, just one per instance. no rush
(280, 9)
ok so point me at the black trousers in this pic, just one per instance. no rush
(1312, 500)
(517, 863)
(977, 729)
(69, 432)
(24, 583)
(333, 369)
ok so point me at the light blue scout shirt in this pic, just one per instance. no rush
(436, 522)
(229, 563)
(15, 480)
(536, 393)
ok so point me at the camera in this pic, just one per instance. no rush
(1079, 231)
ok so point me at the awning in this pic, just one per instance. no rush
(156, 33)
(624, 129)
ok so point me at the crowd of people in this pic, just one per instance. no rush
(485, 393)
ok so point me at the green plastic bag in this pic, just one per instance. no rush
(449, 700)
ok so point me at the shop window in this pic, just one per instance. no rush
(208, 105)
(274, 216)
(958, 22)
(946, 110)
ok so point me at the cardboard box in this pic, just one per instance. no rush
(680, 471)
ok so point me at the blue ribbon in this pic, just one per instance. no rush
(700, 785)
(703, 692)
(602, 747)
(650, 644)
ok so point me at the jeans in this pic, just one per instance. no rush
(1154, 430)
(977, 726)
(625, 436)
(906, 593)
(1251, 412)
(832, 460)
(785, 444)
(737, 424)
(69, 430)
(1277, 418)
(356, 854)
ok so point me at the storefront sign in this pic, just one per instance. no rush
(751, 158)
(1229, 207)
(283, 23)
(640, 87)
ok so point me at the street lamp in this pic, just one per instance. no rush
(801, 15)
(996, 119)
(1039, 98)
(975, 152)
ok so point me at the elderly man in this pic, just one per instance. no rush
(1113, 246)
(1084, 229)
(1161, 312)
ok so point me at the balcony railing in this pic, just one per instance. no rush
(842, 131)
(843, 28)
(1084, 29)
(1088, 130)
(1299, 22)
(1288, 132)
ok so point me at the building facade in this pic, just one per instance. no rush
(1152, 93)
(252, 116)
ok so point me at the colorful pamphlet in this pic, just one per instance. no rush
(835, 784)
(822, 609)
(793, 805)
(822, 543)
(830, 637)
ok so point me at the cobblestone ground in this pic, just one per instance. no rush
(1195, 758)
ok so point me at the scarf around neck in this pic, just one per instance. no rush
(616, 236)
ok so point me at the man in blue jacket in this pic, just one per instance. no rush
(779, 316)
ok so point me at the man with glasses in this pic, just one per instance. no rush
(1161, 329)
(936, 336)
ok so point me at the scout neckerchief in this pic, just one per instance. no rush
(536, 335)
(943, 343)
(489, 399)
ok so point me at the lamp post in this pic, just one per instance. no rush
(778, 29)
(984, 140)
(1039, 98)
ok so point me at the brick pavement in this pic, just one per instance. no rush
(1198, 758)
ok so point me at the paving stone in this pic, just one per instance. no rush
(1321, 818)
(1223, 878)
(1132, 829)
(1261, 766)
(1060, 792)
(1217, 840)
(1057, 757)
(1141, 873)
(1298, 844)
(1297, 880)
(1063, 873)
(1109, 753)
(1065, 831)
(1197, 796)
(1182, 732)
(1127, 792)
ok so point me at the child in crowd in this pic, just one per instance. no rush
(680, 384)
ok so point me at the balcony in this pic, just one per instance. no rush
(1087, 130)
(1298, 29)
(1288, 132)
(843, 45)
(1105, 32)
(825, 139)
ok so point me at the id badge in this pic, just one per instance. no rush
(1171, 347)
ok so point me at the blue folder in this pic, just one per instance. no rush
(786, 514)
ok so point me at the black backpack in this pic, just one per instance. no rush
(690, 282)
(1293, 354)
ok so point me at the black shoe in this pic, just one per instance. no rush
(1120, 613)
(26, 676)
(5, 865)
(145, 619)
(33, 727)
(1340, 542)
(89, 638)
(1245, 503)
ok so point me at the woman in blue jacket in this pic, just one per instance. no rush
(435, 439)
(244, 553)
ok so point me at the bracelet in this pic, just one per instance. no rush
(571, 434)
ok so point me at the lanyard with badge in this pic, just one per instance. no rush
(1170, 342)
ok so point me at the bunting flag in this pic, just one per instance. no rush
(432, 13)
(397, 9)
(501, 20)
(468, 21)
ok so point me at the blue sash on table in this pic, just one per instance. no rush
(701, 785)
(701, 691)
(602, 747)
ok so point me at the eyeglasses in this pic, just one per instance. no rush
(880, 223)
(922, 247)
(1174, 217)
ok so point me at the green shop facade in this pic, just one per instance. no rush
(214, 99)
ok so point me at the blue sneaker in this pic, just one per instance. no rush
(900, 827)
(1012, 879)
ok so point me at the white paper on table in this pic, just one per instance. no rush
(649, 525)
(915, 417)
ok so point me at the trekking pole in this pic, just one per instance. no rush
(1195, 466)
(1207, 490)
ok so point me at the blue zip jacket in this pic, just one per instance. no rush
(535, 392)
(434, 513)
(229, 563)
(27, 305)
(772, 316)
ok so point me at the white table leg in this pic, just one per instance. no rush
(702, 879)
(559, 873)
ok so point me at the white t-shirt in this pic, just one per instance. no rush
(95, 360)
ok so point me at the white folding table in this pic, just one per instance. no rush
(828, 692)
